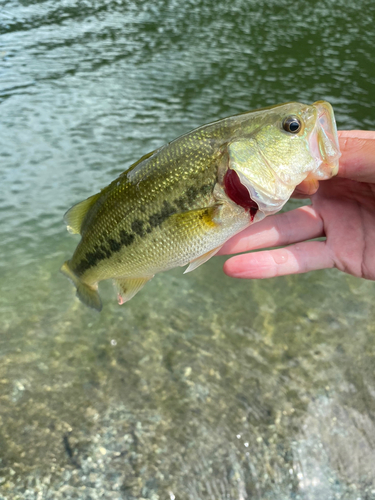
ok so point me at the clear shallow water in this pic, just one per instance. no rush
(202, 387)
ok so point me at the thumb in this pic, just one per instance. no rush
(358, 155)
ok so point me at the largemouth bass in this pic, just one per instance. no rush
(179, 204)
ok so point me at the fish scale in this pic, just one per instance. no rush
(174, 207)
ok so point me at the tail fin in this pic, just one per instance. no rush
(86, 293)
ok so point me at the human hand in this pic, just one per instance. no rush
(342, 210)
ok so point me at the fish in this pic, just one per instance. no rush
(177, 205)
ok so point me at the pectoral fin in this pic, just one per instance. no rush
(128, 287)
(201, 260)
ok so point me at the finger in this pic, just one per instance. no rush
(306, 188)
(277, 230)
(299, 258)
(358, 152)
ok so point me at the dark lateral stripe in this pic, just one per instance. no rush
(102, 252)
(114, 245)
(106, 250)
(126, 238)
(185, 202)
(137, 227)
(159, 217)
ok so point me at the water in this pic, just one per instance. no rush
(202, 387)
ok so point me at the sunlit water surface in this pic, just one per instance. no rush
(202, 387)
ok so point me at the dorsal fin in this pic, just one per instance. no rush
(75, 215)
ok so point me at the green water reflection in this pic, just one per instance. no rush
(202, 387)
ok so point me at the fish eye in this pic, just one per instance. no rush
(292, 124)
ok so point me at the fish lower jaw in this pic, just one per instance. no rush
(269, 202)
(326, 170)
(324, 147)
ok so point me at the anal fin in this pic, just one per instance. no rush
(128, 287)
(201, 260)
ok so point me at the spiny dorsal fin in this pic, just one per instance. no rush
(75, 215)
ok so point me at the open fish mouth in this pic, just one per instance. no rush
(238, 192)
(324, 143)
